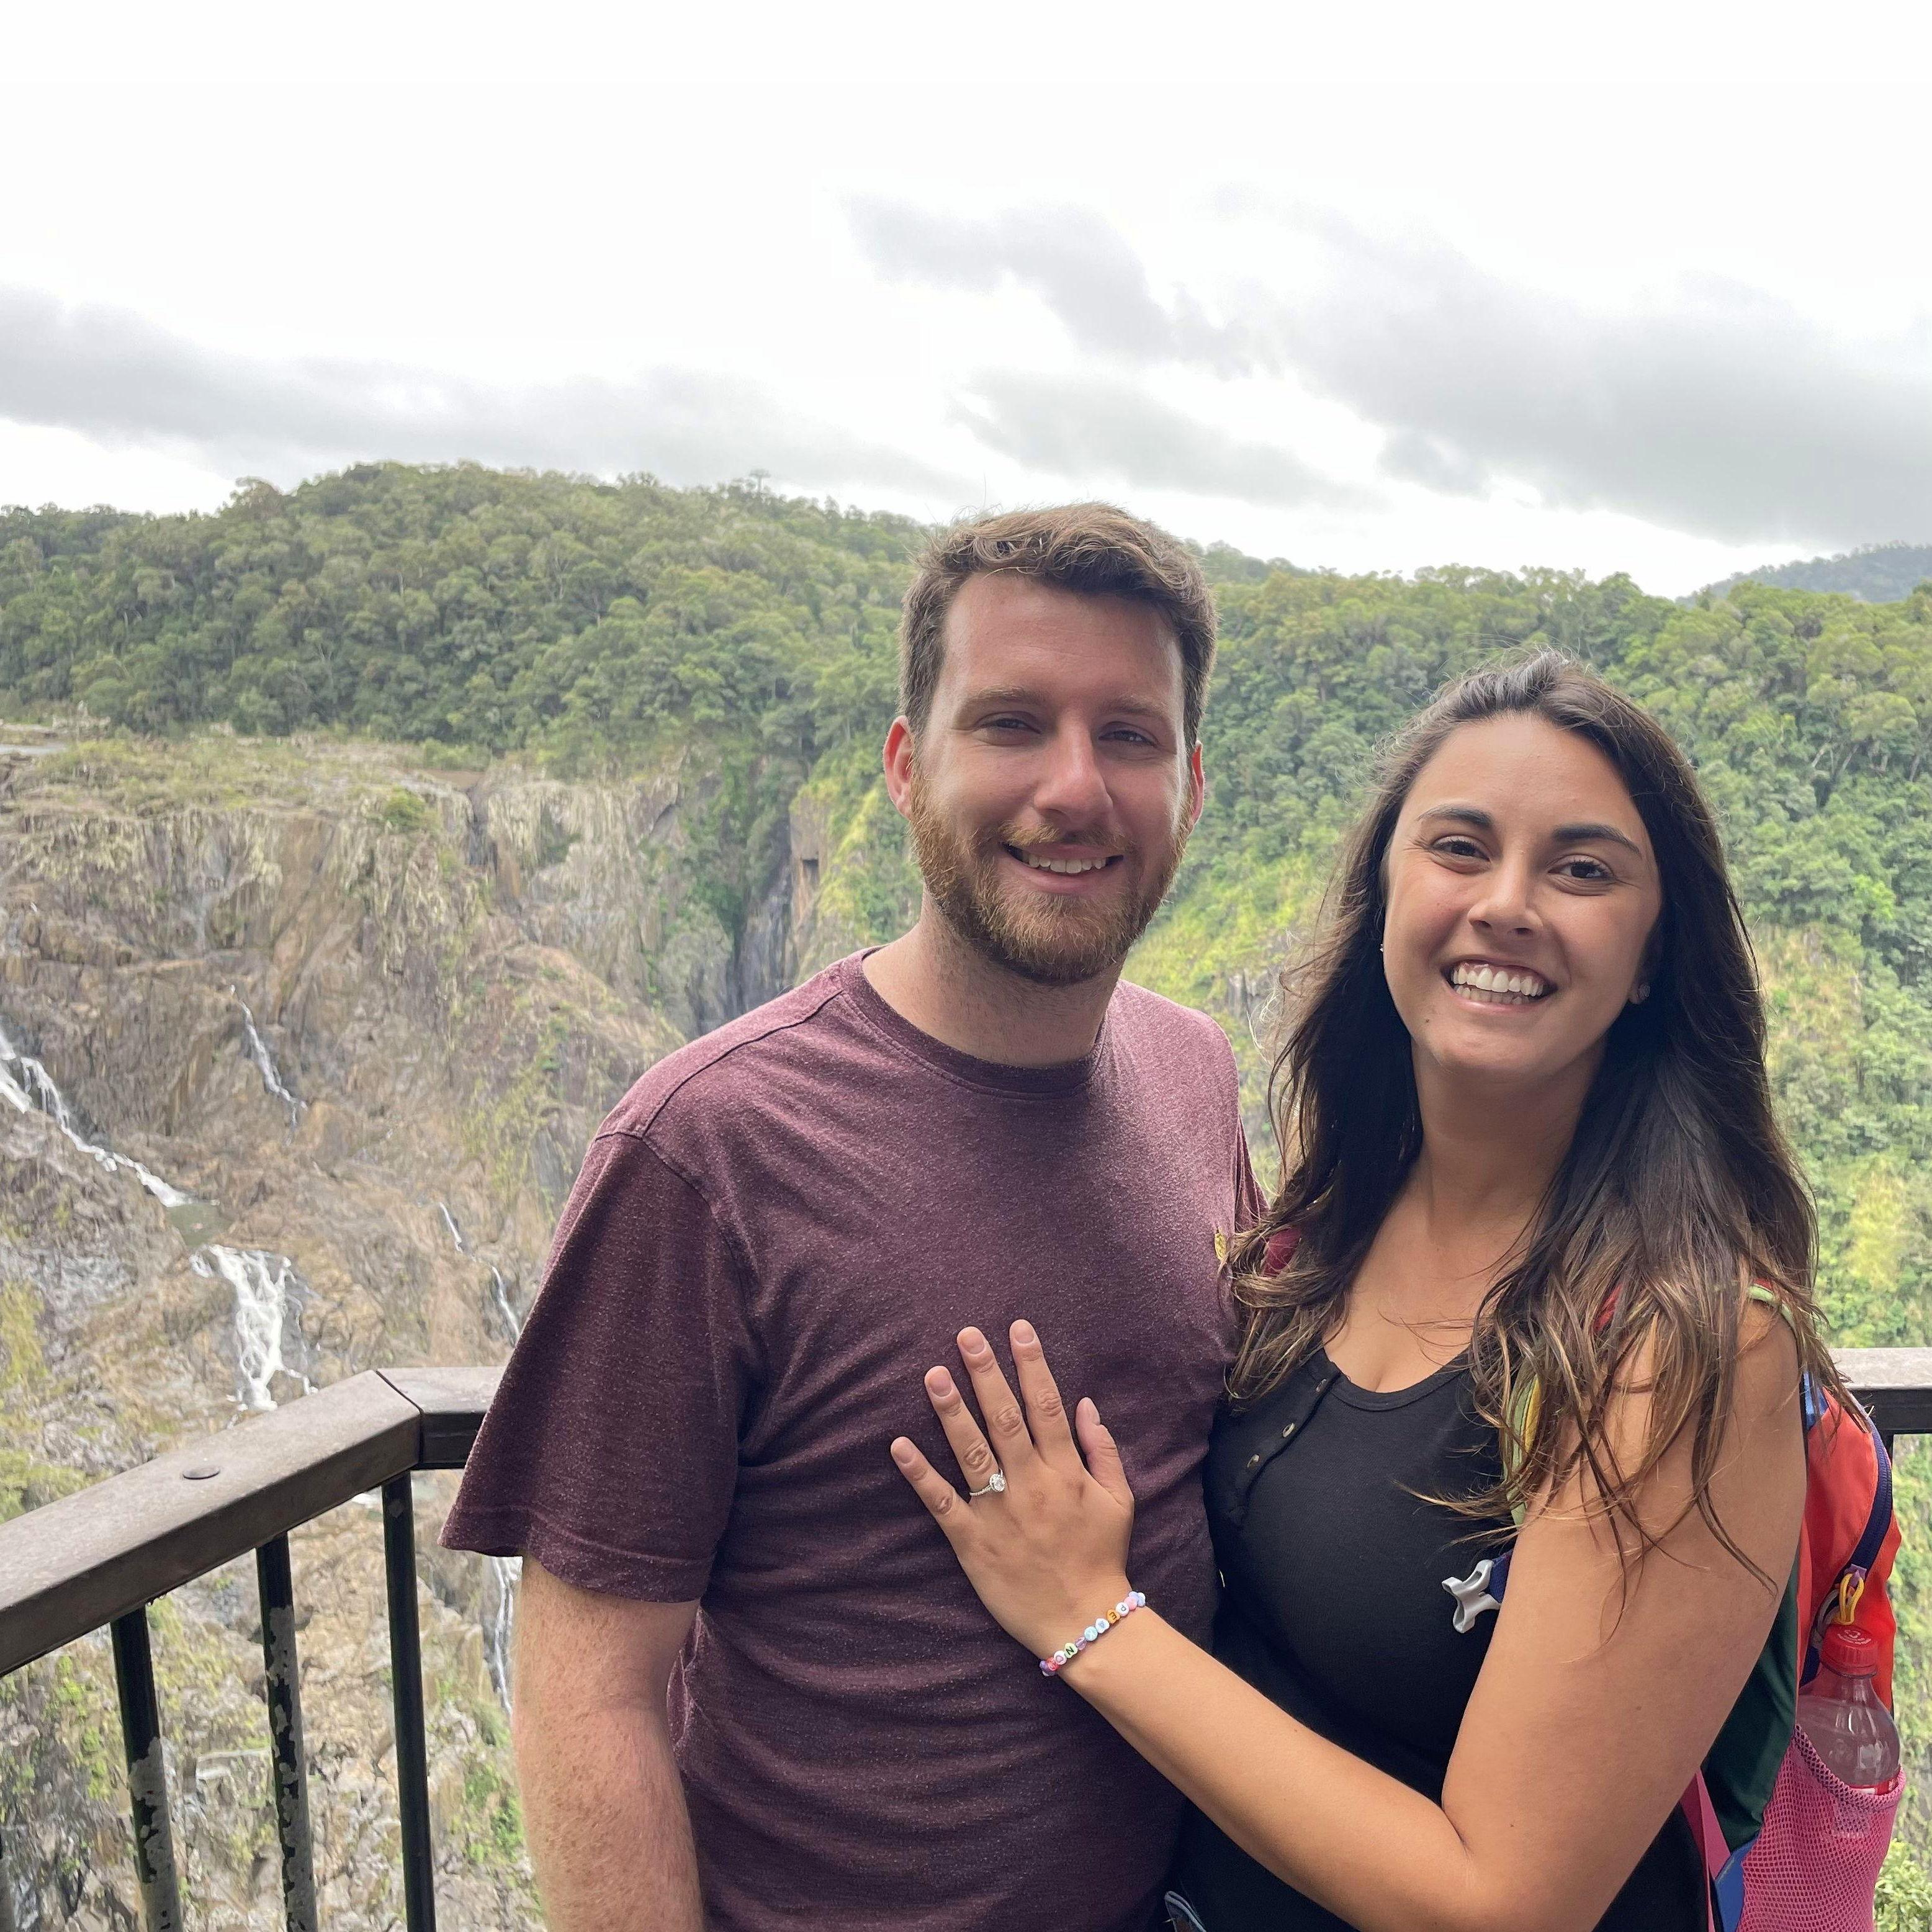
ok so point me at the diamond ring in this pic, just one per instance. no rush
(995, 1486)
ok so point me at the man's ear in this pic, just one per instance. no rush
(1197, 787)
(898, 762)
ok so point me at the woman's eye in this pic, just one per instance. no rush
(1592, 871)
(1457, 846)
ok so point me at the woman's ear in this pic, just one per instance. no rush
(1647, 969)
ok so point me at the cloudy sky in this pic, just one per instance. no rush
(1637, 286)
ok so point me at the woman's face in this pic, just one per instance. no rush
(1522, 893)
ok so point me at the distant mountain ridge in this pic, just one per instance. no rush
(1885, 573)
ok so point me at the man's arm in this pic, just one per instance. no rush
(604, 1810)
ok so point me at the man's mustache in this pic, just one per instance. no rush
(1033, 839)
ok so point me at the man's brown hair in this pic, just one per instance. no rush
(1092, 549)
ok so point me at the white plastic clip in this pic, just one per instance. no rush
(1472, 1595)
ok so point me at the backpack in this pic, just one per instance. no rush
(1787, 1846)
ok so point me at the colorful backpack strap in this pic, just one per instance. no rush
(1724, 1868)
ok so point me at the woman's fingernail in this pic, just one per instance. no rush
(972, 1342)
(903, 1452)
(939, 1381)
(1023, 1332)
(1087, 1409)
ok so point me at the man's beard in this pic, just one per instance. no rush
(1052, 940)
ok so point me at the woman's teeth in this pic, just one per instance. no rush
(1492, 986)
(1068, 865)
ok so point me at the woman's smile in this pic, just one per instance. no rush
(1486, 983)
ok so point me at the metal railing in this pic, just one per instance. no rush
(100, 1557)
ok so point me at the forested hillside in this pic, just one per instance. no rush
(1879, 573)
(587, 626)
(482, 789)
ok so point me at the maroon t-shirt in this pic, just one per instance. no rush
(781, 1227)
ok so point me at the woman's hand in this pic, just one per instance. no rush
(1049, 1554)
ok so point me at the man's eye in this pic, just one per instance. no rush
(1127, 732)
(1005, 724)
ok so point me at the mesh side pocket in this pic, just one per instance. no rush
(1815, 1865)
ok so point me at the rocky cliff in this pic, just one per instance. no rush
(302, 1045)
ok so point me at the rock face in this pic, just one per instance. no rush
(354, 1021)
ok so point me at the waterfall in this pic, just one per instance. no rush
(265, 1285)
(27, 1087)
(511, 1321)
(500, 1292)
(498, 1619)
(264, 1062)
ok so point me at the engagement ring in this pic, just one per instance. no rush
(995, 1486)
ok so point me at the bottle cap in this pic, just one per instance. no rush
(1850, 1651)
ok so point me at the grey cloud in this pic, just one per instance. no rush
(1722, 411)
(1718, 410)
(1080, 266)
(123, 380)
(1098, 430)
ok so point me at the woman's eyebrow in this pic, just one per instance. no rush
(1464, 814)
(1578, 834)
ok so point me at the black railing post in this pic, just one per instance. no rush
(147, 1777)
(289, 1766)
(399, 1551)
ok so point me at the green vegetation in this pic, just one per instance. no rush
(1904, 1893)
(590, 626)
(600, 627)
(1879, 573)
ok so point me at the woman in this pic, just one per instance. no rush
(1537, 1230)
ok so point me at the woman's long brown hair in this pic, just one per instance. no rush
(1678, 1189)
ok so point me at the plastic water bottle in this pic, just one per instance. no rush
(1840, 1711)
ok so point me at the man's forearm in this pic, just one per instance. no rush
(604, 1815)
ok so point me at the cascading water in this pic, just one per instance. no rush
(27, 1087)
(512, 1321)
(499, 1292)
(499, 1616)
(498, 1620)
(264, 1062)
(265, 1285)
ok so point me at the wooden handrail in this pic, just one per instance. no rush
(71, 1566)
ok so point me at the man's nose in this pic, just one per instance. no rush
(1072, 786)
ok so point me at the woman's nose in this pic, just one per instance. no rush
(1505, 903)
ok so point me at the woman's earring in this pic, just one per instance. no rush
(1639, 993)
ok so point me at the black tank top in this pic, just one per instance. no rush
(1334, 1609)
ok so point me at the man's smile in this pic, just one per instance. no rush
(1063, 869)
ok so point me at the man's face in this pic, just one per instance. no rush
(1050, 792)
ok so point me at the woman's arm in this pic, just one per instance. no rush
(1592, 1712)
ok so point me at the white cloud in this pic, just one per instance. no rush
(123, 381)
(614, 237)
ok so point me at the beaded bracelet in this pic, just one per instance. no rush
(1051, 1666)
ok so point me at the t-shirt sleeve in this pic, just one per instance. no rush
(609, 1452)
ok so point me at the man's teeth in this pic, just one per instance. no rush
(1068, 866)
(1499, 987)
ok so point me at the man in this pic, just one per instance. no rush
(754, 1691)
